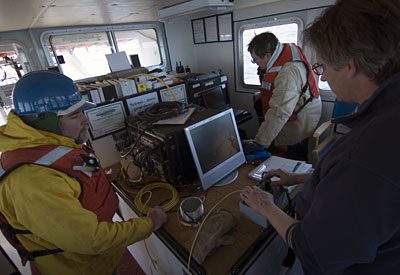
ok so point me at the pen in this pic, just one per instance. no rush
(296, 166)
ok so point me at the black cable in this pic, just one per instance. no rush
(156, 112)
(148, 162)
(161, 110)
(137, 156)
(137, 140)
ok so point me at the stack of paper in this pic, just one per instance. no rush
(273, 163)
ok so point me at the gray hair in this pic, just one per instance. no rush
(367, 32)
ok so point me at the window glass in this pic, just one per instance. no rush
(10, 68)
(323, 85)
(82, 55)
(14, 64)
(141, 42)
(286, 33)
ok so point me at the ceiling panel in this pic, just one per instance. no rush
(24, 14)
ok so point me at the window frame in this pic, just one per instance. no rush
(23, 55)
(45, 39)
(57, 63)
(259, 23)
(114, 40)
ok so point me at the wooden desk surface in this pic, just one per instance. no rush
(246, 233)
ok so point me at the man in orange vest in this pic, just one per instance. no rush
(56, 202)
(288, 105)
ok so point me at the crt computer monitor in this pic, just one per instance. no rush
(216, 149)
(215, 98)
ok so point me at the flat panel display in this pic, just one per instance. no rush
(216, 148)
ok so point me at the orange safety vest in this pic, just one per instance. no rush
(290, 53)
(97, 194)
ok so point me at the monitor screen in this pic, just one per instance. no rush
(216, 148)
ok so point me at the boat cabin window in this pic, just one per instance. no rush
(13, 63)
(286, 33)
(80, 53)
(140, 42)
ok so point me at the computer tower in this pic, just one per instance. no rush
(162, 150)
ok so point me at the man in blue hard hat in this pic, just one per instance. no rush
(56, 202)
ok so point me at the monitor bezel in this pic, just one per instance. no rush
(226, 167)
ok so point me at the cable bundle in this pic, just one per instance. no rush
(162, 110)
(143, 208)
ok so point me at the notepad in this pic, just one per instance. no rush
(274, 162)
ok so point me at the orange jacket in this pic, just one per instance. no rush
(290, 53)
(96, 195)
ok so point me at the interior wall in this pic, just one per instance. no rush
(216, 56)
(206, 58)
(201, 58)
(180, 43)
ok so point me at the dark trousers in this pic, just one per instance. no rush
(298, 151)
(259, 110)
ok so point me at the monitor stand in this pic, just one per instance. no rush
(228, 178)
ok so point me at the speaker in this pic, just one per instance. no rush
(135, 60)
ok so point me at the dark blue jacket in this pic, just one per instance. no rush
(350, 207)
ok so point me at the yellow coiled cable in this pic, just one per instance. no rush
(143, 208)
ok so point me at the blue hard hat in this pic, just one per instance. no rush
(46, 91)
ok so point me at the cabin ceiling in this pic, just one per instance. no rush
(31, 14)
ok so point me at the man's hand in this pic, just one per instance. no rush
(257, 199)
(158, 217)
(286, 178)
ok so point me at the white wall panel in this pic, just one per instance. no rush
(180, 44)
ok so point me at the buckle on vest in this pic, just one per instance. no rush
(91, 162)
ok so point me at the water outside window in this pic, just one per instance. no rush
(286, 33)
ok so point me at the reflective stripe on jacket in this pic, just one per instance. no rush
(290, 53)
(96, 195)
